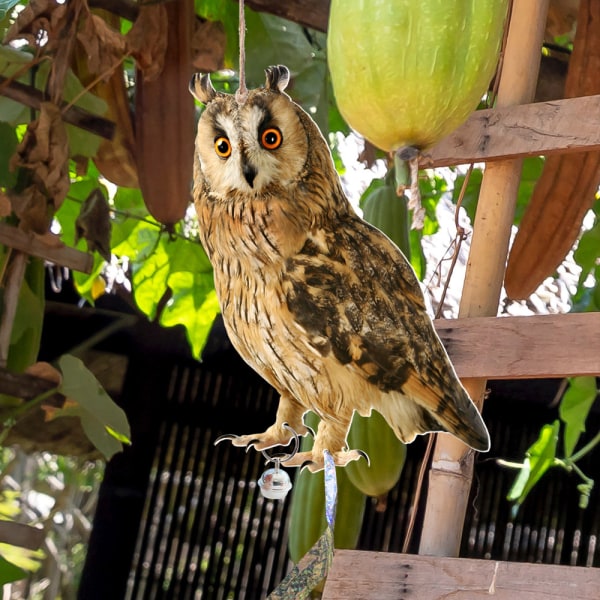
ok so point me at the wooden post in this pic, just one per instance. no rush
(452, 465)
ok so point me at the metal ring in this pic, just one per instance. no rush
(282, 457)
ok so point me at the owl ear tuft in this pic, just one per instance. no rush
(278, 77)
(202, 88)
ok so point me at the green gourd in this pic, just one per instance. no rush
(386, 453)
(408, 73)
(307, 512)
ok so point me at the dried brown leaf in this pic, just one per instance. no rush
(208, 46)
(39, 22)
(93, 224)
(5, 206)
(46, 371)
(147, 40)
(53, 412)
(104, 46)
(33, 209)
(44, 151)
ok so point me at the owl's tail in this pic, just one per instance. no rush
(410, 414)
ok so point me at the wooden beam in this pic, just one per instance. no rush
(19, 534)
(390, 576)
(26, 386)
(451, 469)
(74, 115)
(60, 255)
(311, 13)
(523, 347)
(556, 127)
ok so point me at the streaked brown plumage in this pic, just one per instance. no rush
(324, 306)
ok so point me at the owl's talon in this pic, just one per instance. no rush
(314, 461)
(364, 455)
(226, 436)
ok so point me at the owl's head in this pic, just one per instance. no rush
(258, 146)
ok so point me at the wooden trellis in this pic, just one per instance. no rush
(484, 346)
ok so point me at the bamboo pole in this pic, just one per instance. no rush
(451, 470)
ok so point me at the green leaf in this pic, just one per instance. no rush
(5, 6)
(130, 207)
(99, 415)
(23, 558)
(10, 572)
(532, 169)
(227, 14)
(8, 145)
(194, 305)
(471, 195)
(530, 173)
(11, 61)
(574, 409)
(149, 279)
(27, 327)
(81, 143)
(271, 40)
(538, 459)
(588, 250)
(9, 504)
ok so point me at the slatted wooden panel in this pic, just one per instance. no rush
(386, 576)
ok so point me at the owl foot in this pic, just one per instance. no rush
(314, 461)
(274, 436)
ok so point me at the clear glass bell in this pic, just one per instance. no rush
(275, 483)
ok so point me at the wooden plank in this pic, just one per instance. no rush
(523, 347)
(554, 127)
(30, 244)
(74, 115)
(19, 534)
(386, 576)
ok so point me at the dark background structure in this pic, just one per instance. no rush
(180, 518)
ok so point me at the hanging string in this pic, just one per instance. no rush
(242, 91)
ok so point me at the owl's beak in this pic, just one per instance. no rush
(249, 173)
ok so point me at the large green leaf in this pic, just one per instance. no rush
(103, 421)
(129, 209)
(10, 572)
(574, 409)
(539, 458)
(194, 305)
(271, 40)
(23, 558)
(27, 327)
(149, 278)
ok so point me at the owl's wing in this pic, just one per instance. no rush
(356, 296)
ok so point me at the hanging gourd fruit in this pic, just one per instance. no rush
(407, 73)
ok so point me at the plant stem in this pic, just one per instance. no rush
(587, 448)
(586, 479)
(12, 416)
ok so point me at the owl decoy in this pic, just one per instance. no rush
(320, 303)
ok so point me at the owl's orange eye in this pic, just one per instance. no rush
(222, 147)
(271, 138)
